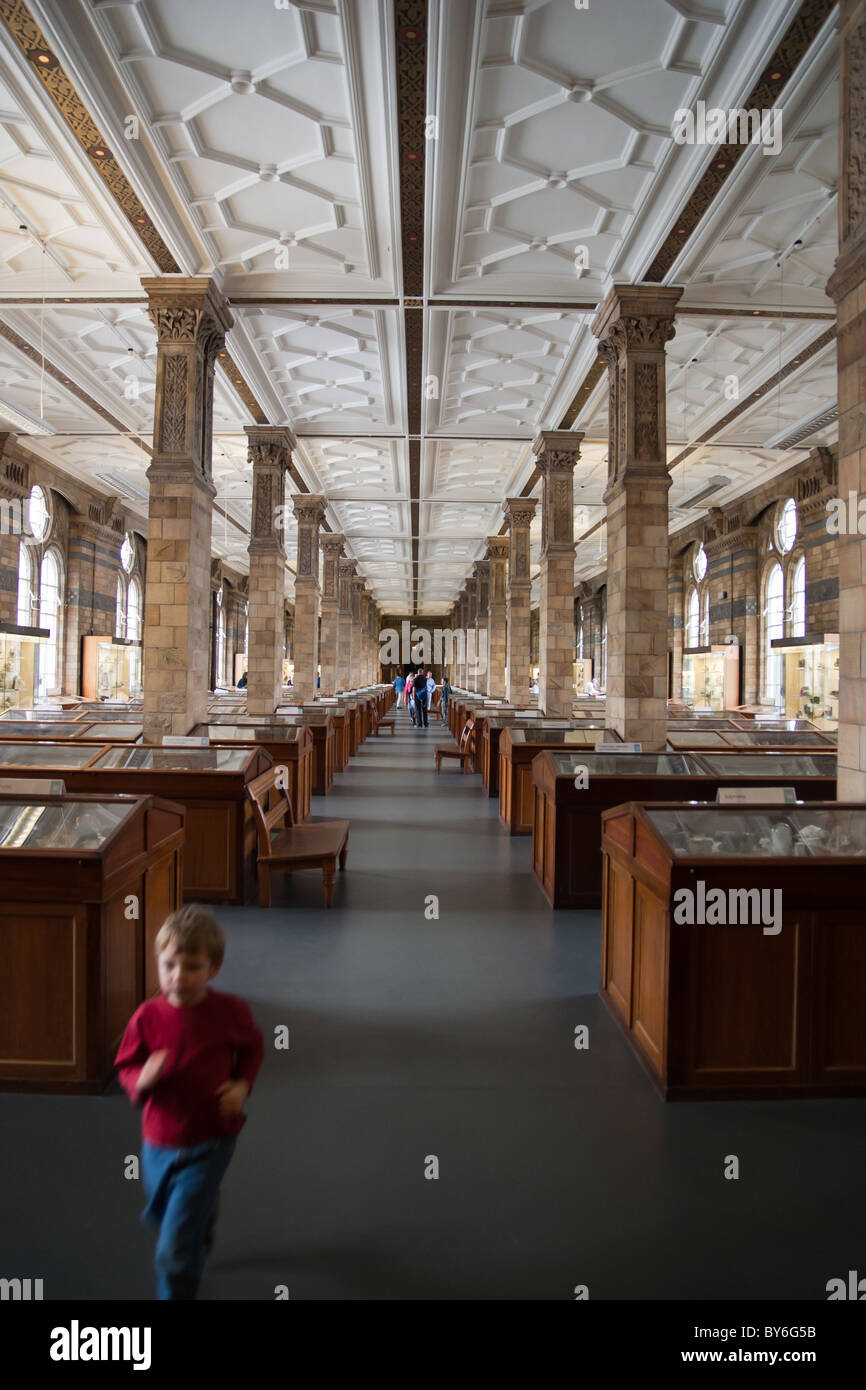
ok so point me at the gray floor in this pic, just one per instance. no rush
(450, 1038)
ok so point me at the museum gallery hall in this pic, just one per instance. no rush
(433, 540)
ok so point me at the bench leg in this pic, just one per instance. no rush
(264, 886)
(328, 877)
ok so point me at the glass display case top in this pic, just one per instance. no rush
(112, 714)
(553, 736)
(45, 754)
(176, 759)
(33, 729)
(112, 733)
(697, 723)
(250, 733)
(75, 825)
(628, 764)
(799, 832)
(771, 764)
(775, 738)
(37, 716)
(695, 738)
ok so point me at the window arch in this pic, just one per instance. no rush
(705, 618)
(25, 587)
(798, 599)
(693, 619)
(220, 645)
(773, 627)
(786, 526)
(120, 609)
(133, 610)
(49, 616)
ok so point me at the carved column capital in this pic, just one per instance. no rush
(519, 512)
(309, 509)
(332, 548)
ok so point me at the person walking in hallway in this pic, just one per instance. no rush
(399, 687)
(421, 697)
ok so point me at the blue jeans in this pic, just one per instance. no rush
(182, 1187)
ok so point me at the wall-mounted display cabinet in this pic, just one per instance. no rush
(711, 676)
(763, 994)
(18, 664)
(810, 678)
(74, 965)
(110, 668)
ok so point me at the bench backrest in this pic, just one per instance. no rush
(467, 738)
(272, 807)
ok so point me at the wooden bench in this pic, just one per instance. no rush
(284, 846)
(377, 723)
(465, 749)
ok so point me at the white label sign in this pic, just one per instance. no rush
(618, 747)
(178, 741)
(745, 796)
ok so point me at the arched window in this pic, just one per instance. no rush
(25, 587)
(604, 655)
(774, 626)
(120, 609)
(133, 611)
(49, 616)
(38, 513)
(693, 619)
(786, 526)
(699, 564)
(220, 654)
(705, 618)
(798, 600)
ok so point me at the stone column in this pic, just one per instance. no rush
(846, 287)
(310, 512)
(457, 678)
(557, 452)
(482, 651)
(472, 676)
(191, 320)
(329, 636)
(344, 661)
(590, 607)
(633, 326)
(497, 626)
(269, 450)
(357, 632)
(519, 512)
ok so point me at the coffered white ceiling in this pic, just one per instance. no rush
(266, 155)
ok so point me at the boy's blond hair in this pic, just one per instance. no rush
(192, 929)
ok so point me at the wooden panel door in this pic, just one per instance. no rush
(618, 926)
(650, 989)
(43, 991)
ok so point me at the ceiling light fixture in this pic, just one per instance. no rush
(24, 422)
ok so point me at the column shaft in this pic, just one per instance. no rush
(519, 512)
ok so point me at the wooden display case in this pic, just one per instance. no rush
(488, 732)
(87, 883)
(566, 826)
(291, 747)
(220, 853)
(517, 749)
(733, 1011)
(682, 740)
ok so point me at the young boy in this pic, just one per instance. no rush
(189, 1057)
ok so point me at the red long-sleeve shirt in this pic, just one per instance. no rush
(207, 1044)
